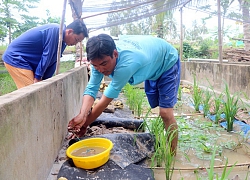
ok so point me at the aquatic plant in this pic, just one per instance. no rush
(129, 94)
(225, 173)
(139, 102)
(206, 102)
(167, 152)
(156, 127)
(135, 99)
(217, 106)
(163, 152)
(230, 107)
(196, 95)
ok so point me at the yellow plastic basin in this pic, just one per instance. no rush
(90, 162)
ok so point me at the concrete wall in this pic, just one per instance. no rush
(214, 75)
(33, 124)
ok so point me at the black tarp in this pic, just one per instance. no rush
(127, 123)
(109, 171)
(127, 159)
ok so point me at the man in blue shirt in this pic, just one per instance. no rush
(133, 60)
(32, 56)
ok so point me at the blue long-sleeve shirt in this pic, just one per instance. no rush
(140, 58)
(36, 50)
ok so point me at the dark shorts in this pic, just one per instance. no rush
(163, 91)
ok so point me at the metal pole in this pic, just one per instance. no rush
(181, 36)
(60, 38)
(219, 31)
(181, 33)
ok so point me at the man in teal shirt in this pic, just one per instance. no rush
(132, 60)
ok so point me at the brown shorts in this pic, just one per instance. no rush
(21, 77)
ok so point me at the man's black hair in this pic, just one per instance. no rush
(98, 46)
(78, 27)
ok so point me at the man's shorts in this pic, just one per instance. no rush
(21, 77)
(163, 91)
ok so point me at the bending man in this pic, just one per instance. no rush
(32, 56)
(132, 60)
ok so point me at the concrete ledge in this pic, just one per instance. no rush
(33, 124)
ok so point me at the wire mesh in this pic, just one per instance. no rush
(102, 14)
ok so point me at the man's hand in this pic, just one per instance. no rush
(76, 123)
(78, 134)
(37, 80)
(82, 131)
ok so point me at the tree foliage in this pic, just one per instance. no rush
(137, 27)
(13, 14)
(15, 18)
(50, 19)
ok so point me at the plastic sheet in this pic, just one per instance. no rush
(245, 128)
(119, 122)
(126, 159)
(110, 171)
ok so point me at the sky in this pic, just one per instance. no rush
(56, 6)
